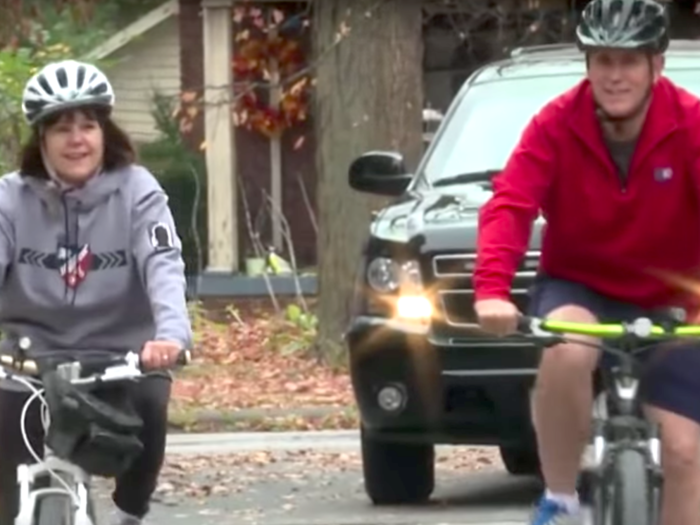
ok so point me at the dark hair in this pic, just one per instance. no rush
(118, 148)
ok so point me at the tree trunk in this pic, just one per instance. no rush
(369, 96)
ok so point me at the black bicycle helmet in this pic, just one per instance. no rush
(623, 24)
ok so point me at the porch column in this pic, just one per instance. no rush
(222, 188)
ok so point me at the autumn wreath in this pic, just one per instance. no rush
(256, 53)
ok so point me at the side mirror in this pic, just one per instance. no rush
(379, 172)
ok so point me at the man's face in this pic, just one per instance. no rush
(620, 79)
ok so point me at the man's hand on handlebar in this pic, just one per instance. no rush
(160, 354)
(497, 316)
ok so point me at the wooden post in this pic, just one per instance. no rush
(276, 155)
(219, 137)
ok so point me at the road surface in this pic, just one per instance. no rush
(315, 479)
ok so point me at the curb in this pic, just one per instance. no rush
(232, 442)
(215, 417)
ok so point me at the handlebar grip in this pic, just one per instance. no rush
(183, 358)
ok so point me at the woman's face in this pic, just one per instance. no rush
(74, 146)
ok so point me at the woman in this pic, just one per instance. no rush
(89, 259)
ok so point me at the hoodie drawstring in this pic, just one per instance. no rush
(64, 188)
(72, 243)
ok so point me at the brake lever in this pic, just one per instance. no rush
(530, 329)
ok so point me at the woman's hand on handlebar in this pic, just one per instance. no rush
(497, 316)
(160, 354)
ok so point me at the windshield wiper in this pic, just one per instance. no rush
(475, 176)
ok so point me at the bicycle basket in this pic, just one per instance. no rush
(96, 430)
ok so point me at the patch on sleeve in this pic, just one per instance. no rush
(161, 236)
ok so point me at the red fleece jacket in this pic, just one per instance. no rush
(633, 242)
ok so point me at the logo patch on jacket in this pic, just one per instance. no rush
(161, 236)
(663, 174)
(73, 263)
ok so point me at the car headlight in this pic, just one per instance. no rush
(414, 307)
(385, 275)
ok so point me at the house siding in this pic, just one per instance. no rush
(148, 64)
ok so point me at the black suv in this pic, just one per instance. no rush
(422, 373)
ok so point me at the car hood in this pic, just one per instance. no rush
(438, 219)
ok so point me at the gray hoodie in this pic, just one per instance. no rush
(97, 267)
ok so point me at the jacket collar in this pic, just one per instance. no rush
(662, 119)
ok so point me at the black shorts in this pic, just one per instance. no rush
(671, 379)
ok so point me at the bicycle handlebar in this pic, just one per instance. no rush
(642, 328)
(115, 367)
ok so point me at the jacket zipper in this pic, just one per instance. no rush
(623, 181)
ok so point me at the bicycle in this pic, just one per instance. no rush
(67, 499)
(626, 479)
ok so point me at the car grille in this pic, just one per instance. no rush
(457, 304)
(462, 265)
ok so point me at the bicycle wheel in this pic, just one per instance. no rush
(59, 510)
(56, 510)
(631, 490)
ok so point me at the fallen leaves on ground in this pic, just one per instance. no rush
(202, 476)
(199, 477)
(260, 362)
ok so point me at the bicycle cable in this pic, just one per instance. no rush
(37, 393)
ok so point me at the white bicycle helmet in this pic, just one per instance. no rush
(63, 85)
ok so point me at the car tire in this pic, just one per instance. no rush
(397, 472)
(521, 460)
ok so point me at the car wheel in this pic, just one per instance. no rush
(521, 460)
(397, 472)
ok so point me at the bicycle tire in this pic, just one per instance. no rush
(631, 489)
(51, 507)
(54, 510)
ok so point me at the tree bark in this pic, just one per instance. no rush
(369, 97)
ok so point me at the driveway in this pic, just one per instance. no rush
(316, 479)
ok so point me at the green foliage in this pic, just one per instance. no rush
(59, 27)
(181, 172)
(299, 333)
(117, 14)
(304, 320)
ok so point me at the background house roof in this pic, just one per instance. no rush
(136, 29)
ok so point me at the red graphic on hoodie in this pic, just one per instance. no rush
(75, 264)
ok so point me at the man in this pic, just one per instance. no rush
(614, 167)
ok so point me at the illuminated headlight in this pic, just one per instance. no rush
(414, 307)
(385, 275)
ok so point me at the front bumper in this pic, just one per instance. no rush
(457, 389)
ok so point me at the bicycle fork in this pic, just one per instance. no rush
(30, 497)
(652, 443)
(647, 443)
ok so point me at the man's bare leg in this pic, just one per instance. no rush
(562, 404)
(680, 457)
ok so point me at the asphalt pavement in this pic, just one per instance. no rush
(315, 478)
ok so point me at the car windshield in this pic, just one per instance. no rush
(489, 120)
